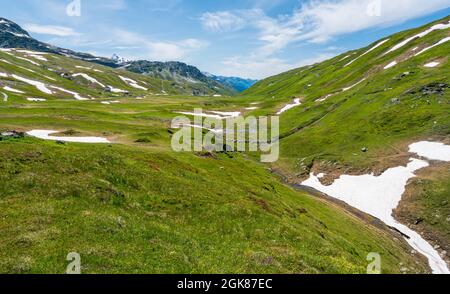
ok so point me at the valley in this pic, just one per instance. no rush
(87, 166)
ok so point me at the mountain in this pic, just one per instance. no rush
(361, 112)
(119, 59)
(186, 78)
(181, 74)
(238, 84)
(13, 36)
(347, 127)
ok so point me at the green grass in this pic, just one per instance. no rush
(136, 206)
(133, 210)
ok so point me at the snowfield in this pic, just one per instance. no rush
(431, 150)
(380, 195)
(46, 135)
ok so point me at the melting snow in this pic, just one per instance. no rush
(89, 78)
(39, 85)
(368, 51)
(420, 35)
(89, 68)
(392, 64)
(29, 60)
(379, 196)
(227, 114)
(75, 94)
(5, 61)
(217, 115)
(115, 90)
(354, 85)
(290, 106)
(431, 150)
(132, 83)
(437, 44)
(37, 99)
(9, 89)
(45, 135)
(432, 64)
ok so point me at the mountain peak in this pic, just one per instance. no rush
(11, 28)
(119, 59)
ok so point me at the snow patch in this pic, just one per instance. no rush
(432, 64)
(392, 64)
(132, 83)
(380, 195)
(74, 94)
(431, 150)
(368, 51)
(39, 85)
(45, 135)
(296, 103)
(445, 40)
(420, 35)
(354, 85)
(36, 99)
(89, 78)
(9, 89)
(116, 90)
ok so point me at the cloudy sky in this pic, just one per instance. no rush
(246, 38)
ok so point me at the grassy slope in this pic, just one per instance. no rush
(138, 207)
(49, 73)
(331, 134)
(134, 210)
(133, 202)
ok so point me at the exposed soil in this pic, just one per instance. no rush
(410, 209)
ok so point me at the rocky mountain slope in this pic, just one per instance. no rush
(181, 74)
(187, 79)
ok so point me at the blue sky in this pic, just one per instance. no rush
(246, 38)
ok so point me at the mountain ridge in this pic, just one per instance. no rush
(14, 36)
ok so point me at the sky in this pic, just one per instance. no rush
(244, 38)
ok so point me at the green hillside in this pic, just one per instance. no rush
(135, 206)
(385, 109)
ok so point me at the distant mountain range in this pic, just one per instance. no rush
(187, 78)
(238, 84)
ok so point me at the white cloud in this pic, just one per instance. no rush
(222, 21)
(323, 20)
(259, 68)
(50, 30)
(316, 21)
(156, 50)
